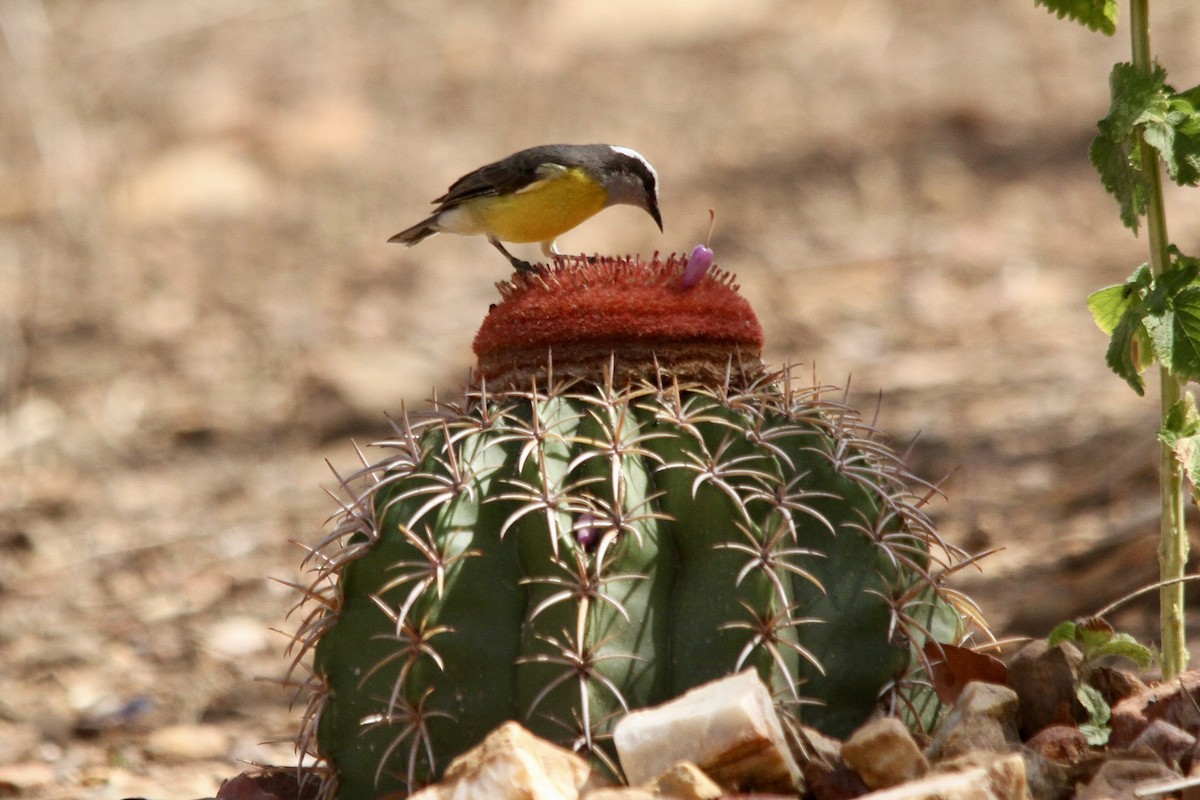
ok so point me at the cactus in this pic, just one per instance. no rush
(561, 550)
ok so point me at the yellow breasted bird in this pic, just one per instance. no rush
(538, 194)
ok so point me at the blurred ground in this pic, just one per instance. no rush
(197, 307)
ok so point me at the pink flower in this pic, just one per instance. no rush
(697, 265)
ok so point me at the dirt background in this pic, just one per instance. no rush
(198, 308)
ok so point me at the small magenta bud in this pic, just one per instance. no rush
(697, 265)
(587, 532)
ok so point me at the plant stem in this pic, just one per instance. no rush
(1173, 541)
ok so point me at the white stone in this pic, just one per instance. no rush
(728, 728)
(884, 754)
(684, 781)
(1002, 779)
(513, 764)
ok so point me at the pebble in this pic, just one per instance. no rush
(513, 764)
(623, 793)
(728, 727)
(1003, 778)
(1178, 701)
(685, 781)
(983, 719)
(884, 754)
(1062, 744)
(1168, 741)
(1122, 776)
(1044, 679)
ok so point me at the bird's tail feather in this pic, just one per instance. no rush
(422, 230)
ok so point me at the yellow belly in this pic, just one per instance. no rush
(542, 213)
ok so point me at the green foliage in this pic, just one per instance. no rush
(1114, 152)
(1145, 108)
(560, 557)
(1096, 640)
(1096, 730)
(1181, 433)
(1152, 318)
(1099, 15)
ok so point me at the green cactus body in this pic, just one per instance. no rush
(559, 556)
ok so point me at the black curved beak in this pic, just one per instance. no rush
(652, 210)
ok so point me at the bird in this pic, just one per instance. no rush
(538, 194)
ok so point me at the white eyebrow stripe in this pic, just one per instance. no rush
(628, 151)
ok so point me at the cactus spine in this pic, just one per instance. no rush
(562, 553)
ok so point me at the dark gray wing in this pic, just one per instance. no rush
(514, 173)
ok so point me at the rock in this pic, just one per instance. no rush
(1114, 685)
(268, 783)
(1062, 744)
(838, 782)
(619, 793)
(1166, 741)
(1046, 779)
(1044, 679)
(513, 764)
(1043, 779)
(816, 746)
(727, 727)
(984, 718)
(1119, 777)
(884, 754)
(179, 743)
(1001, 779)
(685, 781)
(825, 774)
(1177, 702)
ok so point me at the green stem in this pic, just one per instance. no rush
(1173, 541)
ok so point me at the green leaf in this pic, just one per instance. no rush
(1174, 331)
(1181, 433)
(1096, 729)
(1186, 364)
(1096, 735)
(1114, 160)
(1171, 126)
(1140, 104)
(1063, 632)
(1098, 15)
(1093, 640)
(1093, 703)
(1152, 318)
(1109, 304)
(1125, 646)
(1182, 420)
(1184, 163)
(1125, 352)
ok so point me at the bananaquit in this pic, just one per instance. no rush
(540, 193)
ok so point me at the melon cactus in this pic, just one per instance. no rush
(625, 504)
